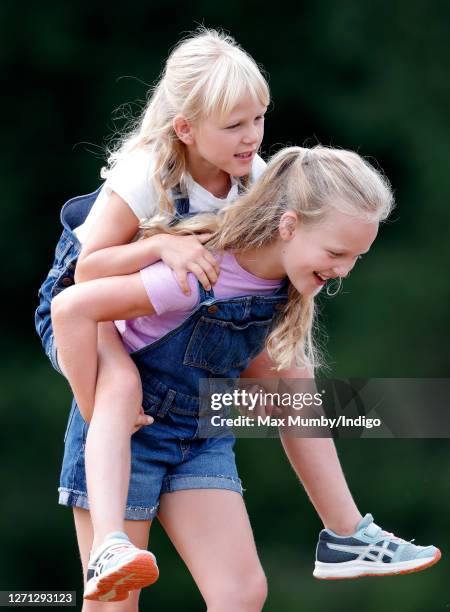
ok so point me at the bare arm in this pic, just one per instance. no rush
(108, 250)
(261, 368)
(76, 313)
(314, 460)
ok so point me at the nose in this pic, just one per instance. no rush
(344, 269)
(251, 135)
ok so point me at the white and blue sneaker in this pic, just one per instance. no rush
(370, 551)
(117, 567)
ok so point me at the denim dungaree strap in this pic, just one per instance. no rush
(61, 275)
(181, 202)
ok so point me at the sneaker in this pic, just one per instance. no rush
(370, 551)
(117, 567)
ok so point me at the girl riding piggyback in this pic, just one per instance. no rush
(193, 150)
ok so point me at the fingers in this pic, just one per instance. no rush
(208, 263)
(142, 420)
(187, 254)
(203, 270)
(198, 272)
(207, 254)
(181, 276)
(212, 261)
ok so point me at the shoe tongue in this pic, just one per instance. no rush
(368, 525)
(114, 535)
(117, 535)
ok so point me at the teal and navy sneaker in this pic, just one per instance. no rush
(370, 551)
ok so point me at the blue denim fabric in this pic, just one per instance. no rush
(165, 456)
(61, 274)
(217, 340)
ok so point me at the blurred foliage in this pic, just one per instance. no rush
(370, 76)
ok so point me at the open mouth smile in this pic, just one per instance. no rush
(320, 278)
(245, 156)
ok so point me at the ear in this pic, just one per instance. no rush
(183, 129)
(288, 225)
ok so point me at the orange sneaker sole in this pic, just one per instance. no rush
(433, 561)
(140, 572)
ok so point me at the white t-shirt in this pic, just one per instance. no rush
(131, 180)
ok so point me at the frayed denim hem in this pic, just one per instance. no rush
(78, 499)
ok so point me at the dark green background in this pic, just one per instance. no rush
(370, 76)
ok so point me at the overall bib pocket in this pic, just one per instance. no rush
(219, 346)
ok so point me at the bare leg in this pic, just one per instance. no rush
(316, 463)
(211, 531)
(118, 399)
(137, 531)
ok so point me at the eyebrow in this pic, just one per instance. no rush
(238, 117)
(345, 252)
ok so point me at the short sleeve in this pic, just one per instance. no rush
(131, 179)
(164, 291)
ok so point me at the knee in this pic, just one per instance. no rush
(61, 305)
(245, 593)
(256, 589)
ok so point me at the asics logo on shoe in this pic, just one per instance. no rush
(370, 552)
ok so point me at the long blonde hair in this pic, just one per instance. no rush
(309, 182)
(206, 74)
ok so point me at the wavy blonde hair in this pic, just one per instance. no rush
(309, 182)
(206, 74)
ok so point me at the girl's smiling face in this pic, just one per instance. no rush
(313, 253)
(227, 143)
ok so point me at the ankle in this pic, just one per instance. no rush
(345, 526)
(100, 537)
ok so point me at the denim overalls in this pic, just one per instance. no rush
(61, 275)
(217, 340)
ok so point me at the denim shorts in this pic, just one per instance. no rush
(166, 456)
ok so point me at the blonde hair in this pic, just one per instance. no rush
(309, 182)
(206, 74)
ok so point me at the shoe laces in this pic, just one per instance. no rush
(390, 536)
(111, 552)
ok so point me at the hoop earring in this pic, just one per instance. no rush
(337, 285)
